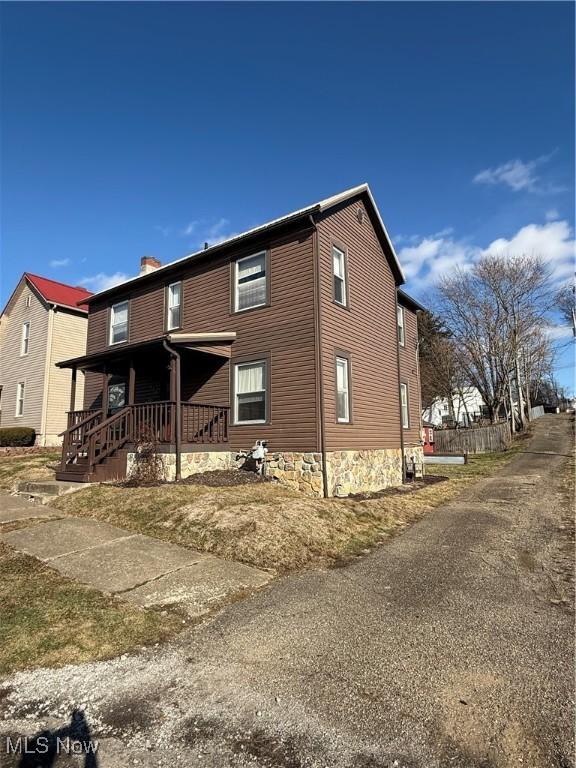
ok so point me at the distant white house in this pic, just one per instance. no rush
(466, 408)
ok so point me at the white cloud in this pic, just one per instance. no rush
(552, 215)
(426, 260)
(433, 257)
(189, 228)
(56, 263)
(517, 175)
(102, 281)
(553, 241)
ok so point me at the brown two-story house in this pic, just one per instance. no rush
(288, 333)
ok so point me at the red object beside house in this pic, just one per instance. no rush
(428, 432)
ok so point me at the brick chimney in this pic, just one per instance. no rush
(149, 264)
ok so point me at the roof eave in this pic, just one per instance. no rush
(174, 265)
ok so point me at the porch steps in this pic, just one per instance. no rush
(113, 467)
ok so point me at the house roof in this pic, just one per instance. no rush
(319, 207)
(409, 302)
(53, 292)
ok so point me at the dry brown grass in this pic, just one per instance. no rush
(268, 525)
(49, 620)
(34, 466)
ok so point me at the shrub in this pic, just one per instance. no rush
(16, 437)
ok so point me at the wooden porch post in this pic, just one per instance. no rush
(105, 380)
(131, 383)
(73, 390)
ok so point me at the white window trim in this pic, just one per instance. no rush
(343, 419)
(23, 353)
(110, 335)
(170, 327)
(344, 302)
(404, 406)
(18, 385)
(237, 366)
(266, 278)
(401, 325)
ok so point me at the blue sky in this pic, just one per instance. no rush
(148, 128)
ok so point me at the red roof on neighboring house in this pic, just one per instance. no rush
(54, 292)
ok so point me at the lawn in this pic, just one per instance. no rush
(268, 525)
(48, 620)
(33, 466)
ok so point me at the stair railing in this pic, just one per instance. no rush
(108, 436)
(74, 442)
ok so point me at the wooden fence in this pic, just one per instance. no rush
(495, 437)
(536, 412)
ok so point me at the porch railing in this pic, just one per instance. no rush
(203, 423)
(90, 437)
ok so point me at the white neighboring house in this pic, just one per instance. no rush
(42, 323)
(466, 408)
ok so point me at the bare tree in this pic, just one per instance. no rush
(566, 303)
(496, 313)
(473, 316)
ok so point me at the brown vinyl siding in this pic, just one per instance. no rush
(366, 329)
(284, 330)
(409, 374)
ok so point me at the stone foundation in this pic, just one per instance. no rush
(347, 471)
(191, 463)
(361, 471)
(416, 452)
(302, 471)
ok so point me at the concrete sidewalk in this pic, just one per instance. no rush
(138, 568)
(15, 508)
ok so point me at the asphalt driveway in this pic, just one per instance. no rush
(452, 645)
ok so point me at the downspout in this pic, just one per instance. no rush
(398, 389)
(176, 355)
(318, 352)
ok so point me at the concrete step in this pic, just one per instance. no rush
(42, 492)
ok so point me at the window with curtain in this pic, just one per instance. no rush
(119, 322)
(250, 391)
(250, 282)
(342, 390)
(401, 335)
(174, 306)
(404, 406)
(20, 399)
(25, 343)
(339, 265)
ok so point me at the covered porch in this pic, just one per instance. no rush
(171, 393)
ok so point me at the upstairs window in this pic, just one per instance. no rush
(339, 268)
(20, 399)
(250, 389)
(342, 390)
(174, 306)
(401, 331)
(25, 340)
(28, 302)
(404, 406)
(119, 322)
(250, 283)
